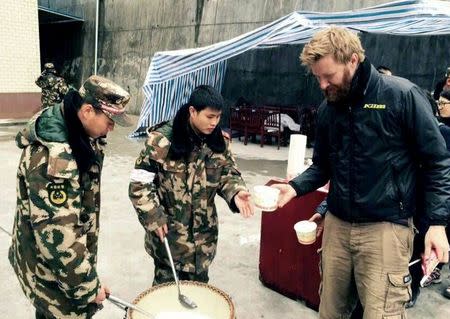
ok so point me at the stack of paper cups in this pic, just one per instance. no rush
(296, 158)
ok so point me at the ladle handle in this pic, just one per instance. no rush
(166, 243)
(124, 305)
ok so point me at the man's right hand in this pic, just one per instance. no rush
(287, 192)
(162, 232)
(101, 295)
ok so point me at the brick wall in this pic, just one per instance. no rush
(19, 38)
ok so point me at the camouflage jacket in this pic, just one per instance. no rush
(181, 193)
(53, 88)
(54, 243)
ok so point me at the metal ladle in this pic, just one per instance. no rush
(185, 301)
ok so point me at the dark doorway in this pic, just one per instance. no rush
(61, 42)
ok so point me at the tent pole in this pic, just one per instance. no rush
(96, 36)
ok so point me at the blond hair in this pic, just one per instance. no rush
(338, 42)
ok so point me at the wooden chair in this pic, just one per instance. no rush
(271, 123)
(252, 119)
(236, 122)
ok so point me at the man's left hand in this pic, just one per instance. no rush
(243, 203)
(436, 239)
(318, 219)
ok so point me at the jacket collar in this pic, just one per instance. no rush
(363, 78)
(42, 129)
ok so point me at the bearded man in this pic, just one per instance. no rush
(374, 132)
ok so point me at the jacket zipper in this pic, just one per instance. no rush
(350, 166)
(397, 186)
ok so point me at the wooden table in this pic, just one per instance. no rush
(285, 265)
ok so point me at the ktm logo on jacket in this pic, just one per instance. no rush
(375, 106)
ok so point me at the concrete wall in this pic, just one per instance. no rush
(130, 32)
(19, 58)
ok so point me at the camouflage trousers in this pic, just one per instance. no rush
(43, 315)
(163, 274)
(40, 315)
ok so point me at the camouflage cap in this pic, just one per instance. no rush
(106, 95)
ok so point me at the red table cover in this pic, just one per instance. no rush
(285, 265)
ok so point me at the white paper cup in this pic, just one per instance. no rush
(306, 232)
(266, 197)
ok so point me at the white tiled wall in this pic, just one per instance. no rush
(19, 46)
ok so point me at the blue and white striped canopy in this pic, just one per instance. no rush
(174, 74)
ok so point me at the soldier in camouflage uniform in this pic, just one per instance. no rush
(176, 177)
(54, 243)
(53, 87)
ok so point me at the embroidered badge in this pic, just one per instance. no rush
(57, 193)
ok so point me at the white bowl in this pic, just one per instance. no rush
(306, 232)
(266, 197)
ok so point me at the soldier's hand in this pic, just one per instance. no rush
(287, 192)
(243, 203)
(162, 232)
(101, 295)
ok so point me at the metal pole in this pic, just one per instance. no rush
(96, 36)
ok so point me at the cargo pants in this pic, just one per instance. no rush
(369, 260)
(163, 274)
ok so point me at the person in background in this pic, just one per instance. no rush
(184, 164)
(55, 233)
(373, 133)
(444, 119)
(444, 115)
(421, 224)
(443, 84)
(53, 86)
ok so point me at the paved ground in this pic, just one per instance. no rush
(128, 270)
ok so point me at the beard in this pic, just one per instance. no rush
(337, 93)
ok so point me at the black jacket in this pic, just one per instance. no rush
(370, 148)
